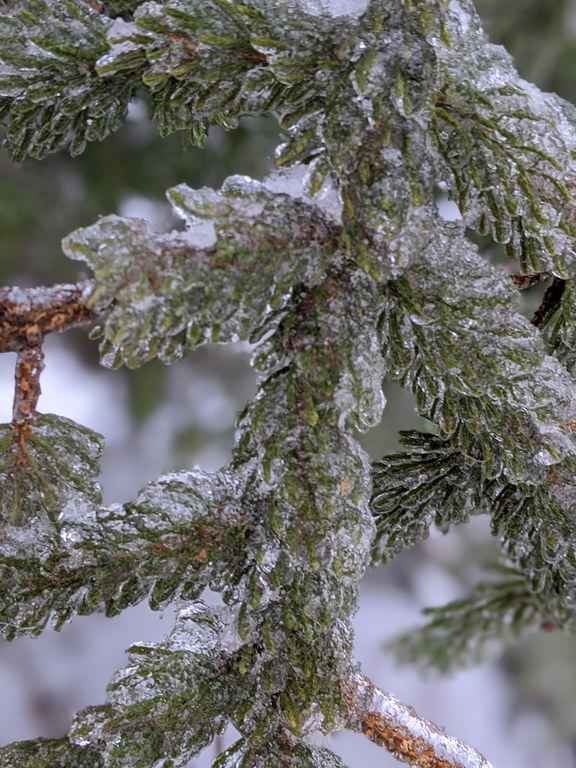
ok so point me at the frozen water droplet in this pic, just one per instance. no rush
(334, 7)
(240, 186)
(293, 181)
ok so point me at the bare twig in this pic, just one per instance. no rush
(29, 366)
(551, 299)
(388, 722)
(26, 316)
(527, 281)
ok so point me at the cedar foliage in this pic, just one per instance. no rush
(340, 269)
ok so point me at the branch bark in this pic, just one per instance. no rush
(27, 315)
(397, 727)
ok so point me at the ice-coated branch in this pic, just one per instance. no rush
(29, 366)
(26, 316)
(391, 724)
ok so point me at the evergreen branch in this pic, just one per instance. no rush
(535, 525)
(95, 558)
(50, 93)
(451, 334)
(431, 485)
(436, 484)
(207, 62)
(49, 753)
(461, 632)
(174, 696)
(309, 507)
(284, 534)
(244, 250)
(391, 724)
(302, 755)
(507, 152)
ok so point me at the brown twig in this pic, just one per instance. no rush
(29, 366)
(388, 722)
(550, 302)
(27, 315)
(522, 282)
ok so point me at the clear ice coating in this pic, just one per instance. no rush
(60, 465)
(333, 7)
(456, 337)
(521, 142)
(242, 251)
(415, 740)
(344, 264)
(295, 182)
(48, 66)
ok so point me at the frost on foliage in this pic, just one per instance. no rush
(435, 484)
(96, 558)
(362, 117)
(172, 698)
(48, 753)
(534, 525)
(478, 368)
(508, 150)
(243, 755)
(381, 83)
(431, 484)
(171, 292)
(60, 465)
(49, 91)
(208, 61)
(560, 331)
(341, 267)
(308, 533)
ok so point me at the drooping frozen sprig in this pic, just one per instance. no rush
(478, 368)
(50, 92)
(243, 250)
(93, 558)
(508, 150)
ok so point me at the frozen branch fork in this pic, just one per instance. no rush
(27, 315)
(388, 722)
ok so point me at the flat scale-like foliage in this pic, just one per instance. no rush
(341, 270)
